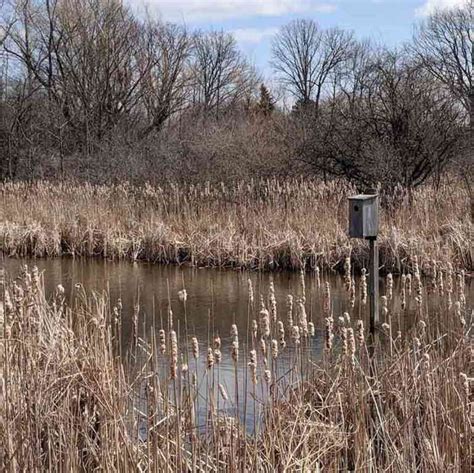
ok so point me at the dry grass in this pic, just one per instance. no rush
(74, 399)
(267, 224)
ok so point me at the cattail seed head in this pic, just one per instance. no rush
(210, 358)
(363, 286)
(265, 322)
(289, 310)
(235, 351)
(223, 392)
(267, 375)
(274, 349)
(389, 286)
(295, 335)
(360, 333)
(162, 339)
(329, 334)
(174, 354)
(250, 290)
(195, 347)
(182, 295)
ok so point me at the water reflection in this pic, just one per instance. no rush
(216, 299)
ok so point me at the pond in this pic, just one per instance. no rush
(216, 299)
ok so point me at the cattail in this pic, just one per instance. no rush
(386, 327)
(267, 375)
(250, 289)
(347, 273)
(273, 303)
(253, 372)
(295, 335)
(303, 286)
(184, 366)
(351, 345)
(182, 295)
(274, 349)
(384, 306)
(170, 317)
(351, 341)
(440, 282)
(162, 339)
(347, 318)
(235, 350)
(210, 358)
(434, 275)
(35, 277)
(263, 347)
(281, 334)
(195, 347)
(329, 334)
(217, 342)
(265, 322)
(421, 329)
(360, 333)
(416, 343)
(217, 356)
(458, 313)
(253, 365)
(403, 295)
(253, 356)
(317, 275)
(311, 329)
(409, 284)
(363, 286)
(302, 318)
(460, 286)
(289, 310)
(418, 290)
(389, 284)
(223, 392)
(465, 385)
(426, 361)
(352, 293)
(254, 328)
(234, 333)
(449, 284)
(174, 354)
(344, 340)
(327, 299)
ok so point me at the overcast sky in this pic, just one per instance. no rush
(255, 21)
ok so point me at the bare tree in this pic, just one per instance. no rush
(166, 75)
(85, 54)
(401, 130)
(444, 43)
(304, 56)
(220, 72)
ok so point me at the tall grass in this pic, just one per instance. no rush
(74, 399)
(268, 224)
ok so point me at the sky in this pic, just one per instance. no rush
(254, 22)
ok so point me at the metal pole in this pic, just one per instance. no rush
(374, 286)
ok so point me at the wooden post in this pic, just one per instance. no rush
(374, 286)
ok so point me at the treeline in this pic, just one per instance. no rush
(91, 90)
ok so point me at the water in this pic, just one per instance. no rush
(216, 300)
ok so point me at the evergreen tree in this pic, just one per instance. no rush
(266, 103)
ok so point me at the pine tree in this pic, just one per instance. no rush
(266, 103)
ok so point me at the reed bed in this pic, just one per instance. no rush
(75, 398)
(265, 225)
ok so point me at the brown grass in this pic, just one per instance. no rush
(271, 224)
(73, 400)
